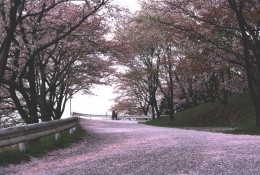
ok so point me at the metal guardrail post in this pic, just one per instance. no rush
(57, 136)
(22, 146)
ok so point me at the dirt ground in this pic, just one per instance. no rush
(129, 148)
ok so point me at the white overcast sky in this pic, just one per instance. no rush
(130, 4)
(101, 102)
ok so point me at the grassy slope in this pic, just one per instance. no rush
(239, 113)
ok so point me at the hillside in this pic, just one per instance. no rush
(239, 113)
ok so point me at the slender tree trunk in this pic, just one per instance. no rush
(170, 106)
(171, 93)
(32, 106)
(158, 113)
(254, 85)
(153, 111)
(257, 115)
(18, 105)
(225, 96)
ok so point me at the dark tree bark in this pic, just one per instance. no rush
(251, 44)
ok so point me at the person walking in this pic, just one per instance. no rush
(113, 114)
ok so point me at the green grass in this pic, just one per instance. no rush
(239, 114)
(12, 155)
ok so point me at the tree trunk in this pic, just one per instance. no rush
(46, 110)
(170, 103)
(32, 106)
(171, 92)
(153, 112)
(257, 116)
(158, 113)
(18, 105)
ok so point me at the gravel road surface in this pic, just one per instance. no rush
(129, 148)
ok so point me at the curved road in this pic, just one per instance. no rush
(129, 148)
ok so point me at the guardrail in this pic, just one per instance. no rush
(91, 116)
(20, 134)
(131, 117)
(108, 117)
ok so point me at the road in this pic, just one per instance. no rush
(129, 148)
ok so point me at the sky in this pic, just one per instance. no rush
(130, 4)
(102, 101)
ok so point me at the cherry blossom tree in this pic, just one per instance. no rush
(143, 60)
(195, 46)
(134, 98)
(52, 51)
(230, 28)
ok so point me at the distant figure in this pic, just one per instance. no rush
(113, 114)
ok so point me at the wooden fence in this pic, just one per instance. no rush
(21, 134)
